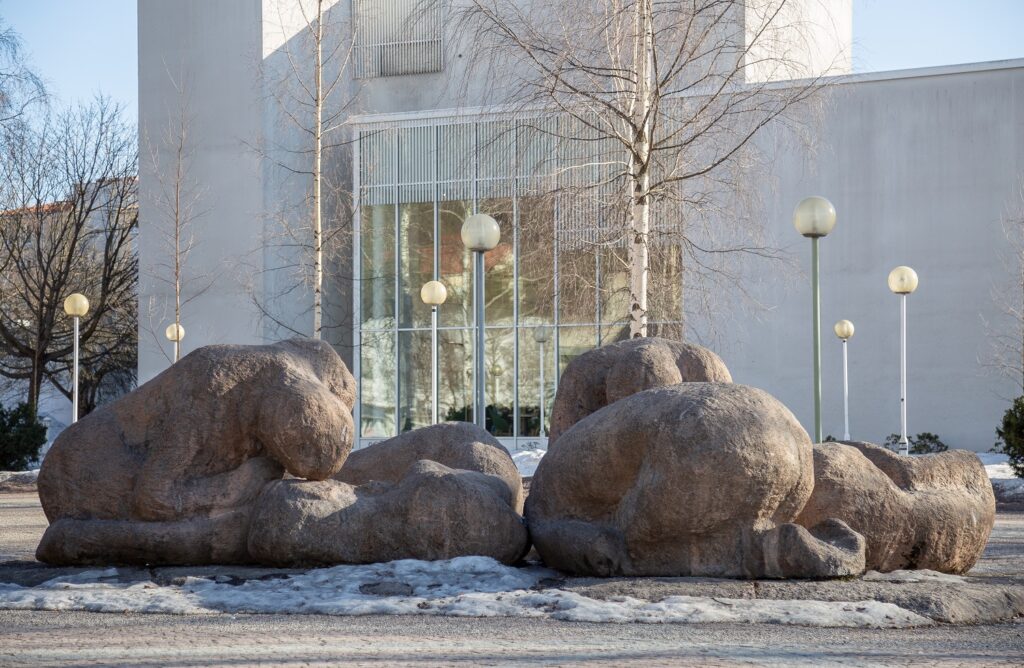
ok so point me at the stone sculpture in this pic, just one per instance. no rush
(604, 375)
(933, 511)
(168, 474)
(433, 493)
(701, 479)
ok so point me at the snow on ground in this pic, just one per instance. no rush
(527, 460)
(462, 587)
(923, 575)
(19, 477)
(1008, 486)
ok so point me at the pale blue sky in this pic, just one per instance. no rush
(84, 46)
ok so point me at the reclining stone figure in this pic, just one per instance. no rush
(692, 479)
(432, 493)
(168, 474)
(932, 511)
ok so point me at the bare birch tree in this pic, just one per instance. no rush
(310, 96)
(178, 203)
(68, 193)
(20, 87)
(661, 104)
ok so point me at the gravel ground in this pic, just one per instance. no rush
(78, 638)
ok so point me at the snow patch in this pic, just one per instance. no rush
(922, 575)
(1008, 487)
(462, 587)
(527, 460)
(19, 477)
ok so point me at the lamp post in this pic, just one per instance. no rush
(844, 330)
(480, 233)
(814, 218)
(433, 294)
(76, 306)
(903, 281)
(542, 335)
(175, 333)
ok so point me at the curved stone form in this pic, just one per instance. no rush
(604, 375)
(932, 511)
(698, 479)
(457, 445)
(168, 473)
(439, 492)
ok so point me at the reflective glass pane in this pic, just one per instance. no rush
(665, 283)
(573, 342)
(416, 267)
(456, 265)
(455, 361)
(377, 365)
(577, 285)
(536, 259)
(499, 264)
(415, 402)
(377, 246)
(613, 285)
(499, 388)
(533, 383)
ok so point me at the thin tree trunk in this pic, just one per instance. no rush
(640, 224)
(318, 268)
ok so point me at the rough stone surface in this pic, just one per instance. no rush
(168, 473)
(457, 445)
(432, 512)
(932, 511)
(693, 479)
(609, 373)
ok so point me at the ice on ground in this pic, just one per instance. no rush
(462, 587)
(19, 477)
(527, 460)
(1008, 487)
(922, 575)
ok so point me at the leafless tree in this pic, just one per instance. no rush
(1006, 336)
(178, 204)
(68, 190)
(20, 87)
(311, 94)
(652, 109)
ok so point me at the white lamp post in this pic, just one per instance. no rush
(814, 218)
(844, 330)
(480, 233)
(76, 306)
(433, 294)
(175, 333)
(903, 281)
(542, 335)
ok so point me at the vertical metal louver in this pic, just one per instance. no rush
(398, 37)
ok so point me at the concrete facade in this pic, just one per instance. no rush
(923, 167)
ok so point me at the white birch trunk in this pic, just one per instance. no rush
(318, 266)
(640, 215)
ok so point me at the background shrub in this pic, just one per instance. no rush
(1011, 434)
(21, 437)
(924, 443)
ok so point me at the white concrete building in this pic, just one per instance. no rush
(923, 167)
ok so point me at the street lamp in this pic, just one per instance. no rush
(844, 330)
(542, 335)
(903, 281)
(480, 233)
(175, 333)
(814, 218)
(433, 294)
(76, 306)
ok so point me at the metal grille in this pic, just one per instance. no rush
(398, 37)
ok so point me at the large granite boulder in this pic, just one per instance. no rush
(457, 445)
(439, 492)
(931, 511)
(695, 479)
(604, 375)
(168, 474)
